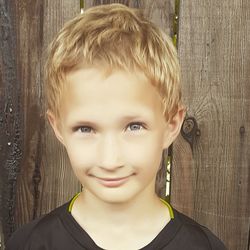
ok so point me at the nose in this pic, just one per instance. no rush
(109, 155)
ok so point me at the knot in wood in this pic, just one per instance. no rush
(188, 126)
(242, 130)
(36, 178)
(190, 130)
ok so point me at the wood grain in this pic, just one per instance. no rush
(45, 179)
(11, 123)
(211, 179)
(61, 183)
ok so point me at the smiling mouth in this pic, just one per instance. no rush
(113, 179)
(113, 182)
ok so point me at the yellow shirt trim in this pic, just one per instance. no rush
(166, 203)
(171, 212)
(72, 202)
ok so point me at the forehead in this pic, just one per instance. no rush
(93, 92)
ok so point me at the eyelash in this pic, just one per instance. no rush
(133, 123)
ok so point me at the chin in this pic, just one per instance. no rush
(116, 197)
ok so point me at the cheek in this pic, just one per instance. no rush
(80, 156)
(147, 152)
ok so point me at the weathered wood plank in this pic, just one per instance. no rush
(60, 182)
(45, 179)
(214, 48)
(11, 124)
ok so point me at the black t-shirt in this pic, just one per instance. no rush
(58, 230)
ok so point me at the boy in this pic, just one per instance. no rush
(114, 102)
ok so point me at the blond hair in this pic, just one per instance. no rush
(114, 36)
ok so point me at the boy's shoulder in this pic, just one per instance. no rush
(36, 229)
(192, 233)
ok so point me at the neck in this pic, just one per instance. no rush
(143, 208)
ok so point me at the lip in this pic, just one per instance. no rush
(112, 182)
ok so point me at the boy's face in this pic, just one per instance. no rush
(113, 127)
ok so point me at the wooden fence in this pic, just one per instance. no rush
(211, 157)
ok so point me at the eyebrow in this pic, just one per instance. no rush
(133, 117)
(122, 120)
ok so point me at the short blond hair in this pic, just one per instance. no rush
(114, 36)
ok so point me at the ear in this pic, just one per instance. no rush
(173, 127)
(54, 122)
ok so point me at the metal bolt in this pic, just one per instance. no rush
(9, 143)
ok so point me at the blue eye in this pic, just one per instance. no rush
(135, 126)
(84, 129)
